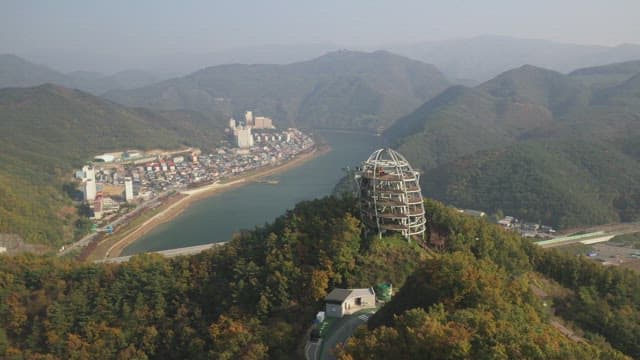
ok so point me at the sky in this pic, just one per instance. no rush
(143, 28)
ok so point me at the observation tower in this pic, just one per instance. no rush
(389, 195)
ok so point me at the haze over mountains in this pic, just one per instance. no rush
(484, 57)
(18, 72)
(464, 60)
(342, 89)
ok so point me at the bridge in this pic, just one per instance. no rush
(190, 250)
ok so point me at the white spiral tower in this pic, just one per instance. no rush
(389, 195)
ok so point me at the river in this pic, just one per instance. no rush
(217, 218)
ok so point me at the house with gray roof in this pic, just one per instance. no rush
(341, 302)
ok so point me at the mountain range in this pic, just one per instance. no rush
(342, 89)
(533, 143)
(466, 61)
(18, 72)
(481, 58)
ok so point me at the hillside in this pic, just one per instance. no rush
(563, 184)
(342, 89)
(485, 298)
(18, 72)
(47, 130)
(254, 298)
(533, 143)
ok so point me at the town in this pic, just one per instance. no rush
(121, 179)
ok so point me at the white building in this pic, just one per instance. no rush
(244, 138)
(88, 172)
(128, 189)
(104, 158)
(248, 118)
(341, 302)
(89, 183)
(89, 190)
(232, 123)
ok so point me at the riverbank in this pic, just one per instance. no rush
(188, 197)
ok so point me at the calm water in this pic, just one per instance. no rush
(215, 219)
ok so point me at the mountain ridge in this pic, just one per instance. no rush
(302, 93)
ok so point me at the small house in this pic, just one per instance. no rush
(341, 302)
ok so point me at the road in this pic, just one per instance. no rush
(343, 330)
(311, 351)
(86, 240)
(190, 250)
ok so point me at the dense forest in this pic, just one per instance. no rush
(255, 297)
(48, 130)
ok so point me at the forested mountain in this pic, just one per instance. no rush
(607, 75)
(254, 297)
(533, 143)
(47, 130)
(18, 72)
(342, 89)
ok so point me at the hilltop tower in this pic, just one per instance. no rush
(389, 195)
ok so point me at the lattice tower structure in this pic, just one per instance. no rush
(389, 195)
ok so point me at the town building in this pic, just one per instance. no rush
(244, 138)
(128, 189)
(262, 122)
(89, 190)
(88, 172)
(248, 118)
(341, 302)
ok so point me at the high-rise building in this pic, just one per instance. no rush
(128, 189)
(248, 118)
(89, 190)
(88, 172)
(244, 138)
(89, 183)
(232, 123)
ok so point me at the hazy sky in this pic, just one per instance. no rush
(153, 27)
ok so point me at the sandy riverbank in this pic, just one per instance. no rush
(193, 195)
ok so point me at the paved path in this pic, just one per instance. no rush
(190, 250)
(312, 350)
(341, 332)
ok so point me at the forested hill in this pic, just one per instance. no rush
(17, 72)
(342, 89)
(533, 143)
(607, 75)
(48, 130)
(255, 297)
